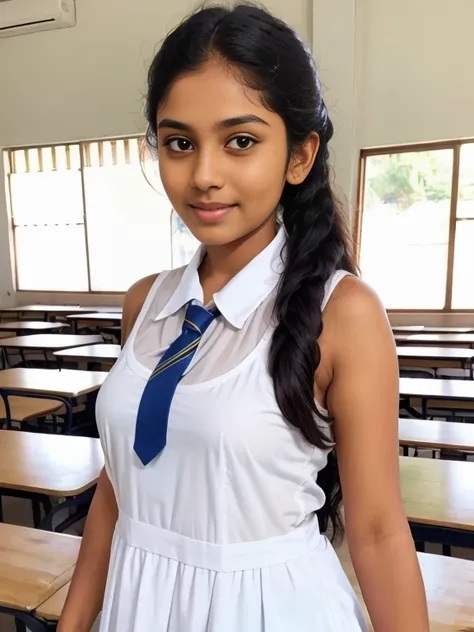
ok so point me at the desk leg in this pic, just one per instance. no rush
(8, 414)
(424, 404)
(81, 502)
(25, 621)
(4, 393)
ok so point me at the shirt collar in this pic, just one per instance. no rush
(243, 294)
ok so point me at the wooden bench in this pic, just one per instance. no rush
(449, 585)
(34, 565)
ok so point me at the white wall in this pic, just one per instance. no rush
(393, 71)
(88, 81)
(418, 69)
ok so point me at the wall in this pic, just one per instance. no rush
(393, 72)
(417, 80)
(87, 82)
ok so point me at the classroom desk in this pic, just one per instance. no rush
(409, 329)
(46, 342)
(112, 309)
(435, 435)
(62, 385)
(431, 389)
(40, 466)
(450, 340)
(436, 357)
(51, 609)
(27, 408)
(46, 311)
(449, 585)
(22, 326)
(100, 318)
(91, 353)
(438, 497)
(34, 565)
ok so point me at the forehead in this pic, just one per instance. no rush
(212, 94)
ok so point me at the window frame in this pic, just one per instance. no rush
(84, 149)
(455, 146)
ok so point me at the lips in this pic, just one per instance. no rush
(211, 212)
(211, 206)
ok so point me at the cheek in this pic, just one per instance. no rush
(261, 178)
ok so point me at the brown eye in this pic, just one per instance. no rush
(241, 143)
(179, 145)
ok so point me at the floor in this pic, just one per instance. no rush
(18, 511)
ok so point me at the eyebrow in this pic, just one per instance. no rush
(226, 124)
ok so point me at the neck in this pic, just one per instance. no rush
(222, 263)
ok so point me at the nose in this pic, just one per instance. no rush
(207, 169)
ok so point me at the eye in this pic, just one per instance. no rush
(241, 143)
(179, 145)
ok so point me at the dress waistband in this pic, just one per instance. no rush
(238, 556)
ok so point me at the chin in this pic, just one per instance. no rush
(214, 234)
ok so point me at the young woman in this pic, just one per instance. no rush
(245, 372)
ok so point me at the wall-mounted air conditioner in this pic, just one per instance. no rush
(18, 17)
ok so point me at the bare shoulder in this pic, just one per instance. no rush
(355, 316)
(133, 302)
(352, 298)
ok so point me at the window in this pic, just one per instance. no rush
(91, 216)
(417, 225)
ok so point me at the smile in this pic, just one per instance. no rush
(211, 212)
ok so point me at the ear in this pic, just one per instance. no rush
(303, 159)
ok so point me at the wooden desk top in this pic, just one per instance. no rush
(65, 383)
(441, 339)
(56, 465)
(111, 309)
(31, 325)
(424, 433)
(437, 388)
(51, 609)
(435, 353)
(34, 565)
(116, 317)
(51, 342)
(449, 585)
(407, 328)
(50, 309)
(25, 408)
(438, 492)
(447, 330)
(91, 353)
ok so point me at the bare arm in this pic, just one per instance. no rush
(363, 397)
(86, 594)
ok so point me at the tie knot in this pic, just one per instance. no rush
(198, 318)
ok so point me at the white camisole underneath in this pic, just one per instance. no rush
(218, 533)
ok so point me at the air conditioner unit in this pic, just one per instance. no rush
(18, 17)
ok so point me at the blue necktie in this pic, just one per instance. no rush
(152, 419)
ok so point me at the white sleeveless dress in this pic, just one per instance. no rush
(218, 533)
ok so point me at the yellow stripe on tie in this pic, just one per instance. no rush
(193, 325)
(176, 358)
(170, 361)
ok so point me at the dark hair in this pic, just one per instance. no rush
(270, 57)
